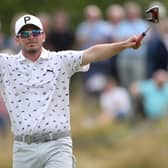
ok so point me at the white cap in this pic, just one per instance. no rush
(25, 20)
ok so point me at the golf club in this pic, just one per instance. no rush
(153, 18)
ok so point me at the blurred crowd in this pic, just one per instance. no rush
(129, 85)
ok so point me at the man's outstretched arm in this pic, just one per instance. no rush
(104, 51)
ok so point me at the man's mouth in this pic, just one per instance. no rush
(31, 44)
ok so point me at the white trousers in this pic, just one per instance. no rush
(52, 154)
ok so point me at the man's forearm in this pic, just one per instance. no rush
(104, 51)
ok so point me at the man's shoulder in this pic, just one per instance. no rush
(64, 53)
(7, 56)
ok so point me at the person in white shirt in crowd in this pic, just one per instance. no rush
(115, 103)
(35, 87)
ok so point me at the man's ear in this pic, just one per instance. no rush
(44, 37)
(17, 39)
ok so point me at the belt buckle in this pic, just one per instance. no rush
(29, 139)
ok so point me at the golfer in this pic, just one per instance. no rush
(35, 87)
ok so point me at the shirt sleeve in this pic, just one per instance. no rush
(3, 60)
(73, 61)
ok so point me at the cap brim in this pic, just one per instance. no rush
(27, 25)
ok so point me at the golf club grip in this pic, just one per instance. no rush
(140, 38)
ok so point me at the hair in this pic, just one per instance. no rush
(92, 9)
(132, 6)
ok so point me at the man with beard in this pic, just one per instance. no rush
(35, 85)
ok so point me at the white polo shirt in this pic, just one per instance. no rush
(37, 93)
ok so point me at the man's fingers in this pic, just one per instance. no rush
(136, 42)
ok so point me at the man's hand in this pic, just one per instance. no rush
(132, 43)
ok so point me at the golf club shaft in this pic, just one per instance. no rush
(140, 37)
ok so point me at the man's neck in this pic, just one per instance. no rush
(32, 56)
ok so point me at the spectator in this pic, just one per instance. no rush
(12, 46)
(46, 21)
(154, 93)
(115, 15)
(61, 37)
(93, 30)
(3, 118)
(115, 102)
(2, 38)
(157, 49)
(130, 61)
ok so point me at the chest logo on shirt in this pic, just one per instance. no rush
(50, 70)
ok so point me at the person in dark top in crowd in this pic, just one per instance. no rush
(157, 50)
(61, 36)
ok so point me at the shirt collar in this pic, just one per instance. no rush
(44, 55)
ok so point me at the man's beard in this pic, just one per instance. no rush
(32, 50)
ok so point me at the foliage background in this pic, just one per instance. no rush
(8, 8)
